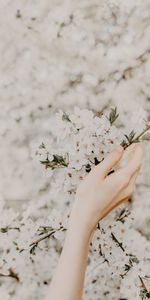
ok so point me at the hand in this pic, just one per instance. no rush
(96, 196)
(99, 192)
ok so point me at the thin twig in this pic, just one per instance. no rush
(144, 131)
(136, 139)
(11, 274)
(47, 235)
(117, 242)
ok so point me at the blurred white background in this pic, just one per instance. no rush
(57, 54)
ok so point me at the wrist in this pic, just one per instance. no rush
(78, 222)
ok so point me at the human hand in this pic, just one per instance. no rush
(99, 192)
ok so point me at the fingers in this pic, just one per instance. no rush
(121, 178)
(108, 163)
(135, 160)
(126, 193)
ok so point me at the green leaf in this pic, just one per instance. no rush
(123, 215)
(58, 158)
(32, 250)
(130, 137)
(65, 117)
(88, 168)
(18, 14)
(148, 118)
(4, 229)
(122, 212)
(58, 161)
(7, 228)
(42, 146)
(146, 137)
(127, 267)
(15, 243)
(133, 259)
(144, 294)
(113, 115)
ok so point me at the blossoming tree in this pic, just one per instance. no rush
(119, 261)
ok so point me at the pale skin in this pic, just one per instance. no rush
(96, 196)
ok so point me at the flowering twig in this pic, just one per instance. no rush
(35, 243)
(11, 274)
(132, 259)
(135, 139)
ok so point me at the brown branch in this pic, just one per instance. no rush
(142, 283)
(47, 235)
(144, 131)
(11, 274)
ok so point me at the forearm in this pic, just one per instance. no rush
(68, 280)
